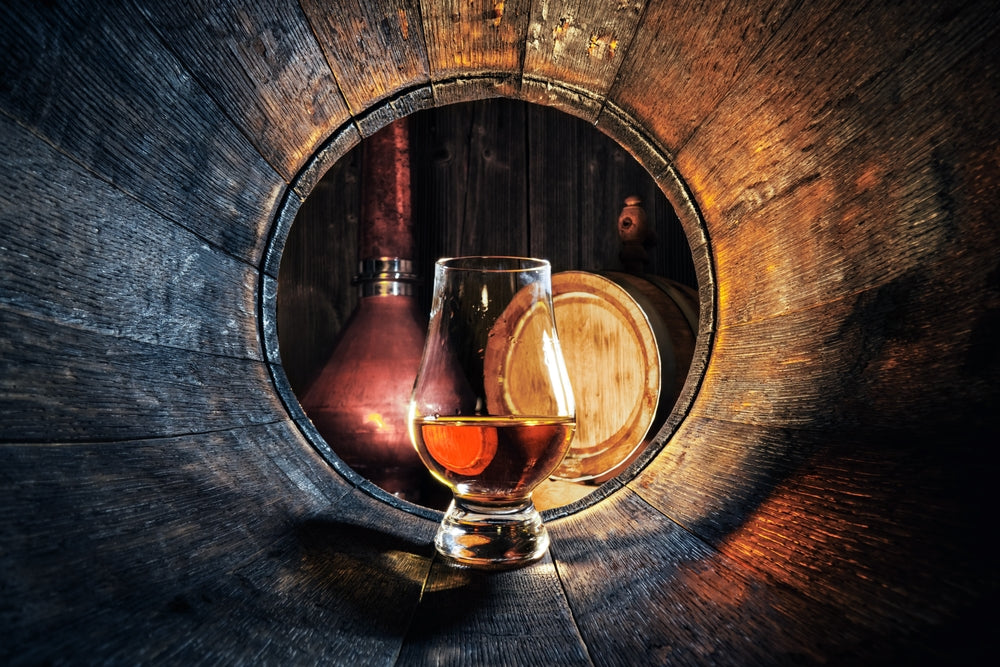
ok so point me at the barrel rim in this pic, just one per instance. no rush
(613, 121)
(569, 284)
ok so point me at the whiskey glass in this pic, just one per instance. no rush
(492, 412)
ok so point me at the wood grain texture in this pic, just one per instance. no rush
(652, 588)
(61, 382)
(628, 346)
(869, 194)
(578, 181)
(517, 617)
(601, 326)
(92, 79)
(823, 500)
(166, 581)
(686, 57)
(657, 162)
(871, 538)
(113, 266)
(475, 40)
(375, 49)
(772, 375)
(476, 178)
(405, 104)
(274, 82)
(578, 43)
(572, 191)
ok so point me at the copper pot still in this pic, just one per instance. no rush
(359, 400)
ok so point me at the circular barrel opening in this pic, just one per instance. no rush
(497, 176)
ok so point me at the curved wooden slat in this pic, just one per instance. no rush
(275, 82)
(112, 265)
(853, 180)
(686, 57)
(518, 617)
(656, 594)
(475, 49)
(92, 79)
(130, 539)
(870, 537)
(64, 383)
(578, 44)
(868, 359)
(375, 49)
(824, 500)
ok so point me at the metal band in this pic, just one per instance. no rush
(386, 276)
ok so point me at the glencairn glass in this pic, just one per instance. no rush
(492, 411)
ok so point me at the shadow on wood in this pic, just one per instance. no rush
(823, 495)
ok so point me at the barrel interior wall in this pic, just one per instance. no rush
(825, 500)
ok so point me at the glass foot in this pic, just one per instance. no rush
(491, 538)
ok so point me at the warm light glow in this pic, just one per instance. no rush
(558, 375)
(375, 418)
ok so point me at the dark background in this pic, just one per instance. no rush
(492, 177)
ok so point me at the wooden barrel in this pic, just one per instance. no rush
(628, 341)
(824, 498)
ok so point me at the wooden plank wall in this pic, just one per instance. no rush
(495, 176)
(834, 166)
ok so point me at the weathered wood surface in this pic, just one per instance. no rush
(112, 265)
(652, 564)
(478, 184)
(203, 537)
(871, 168)
(94, 80)
(70, 384)
(869, 537)
(374, 49)
(687, 56)
(578, 43)
(485, 57)
(824, 501)
(274, 79)
(468, 617)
